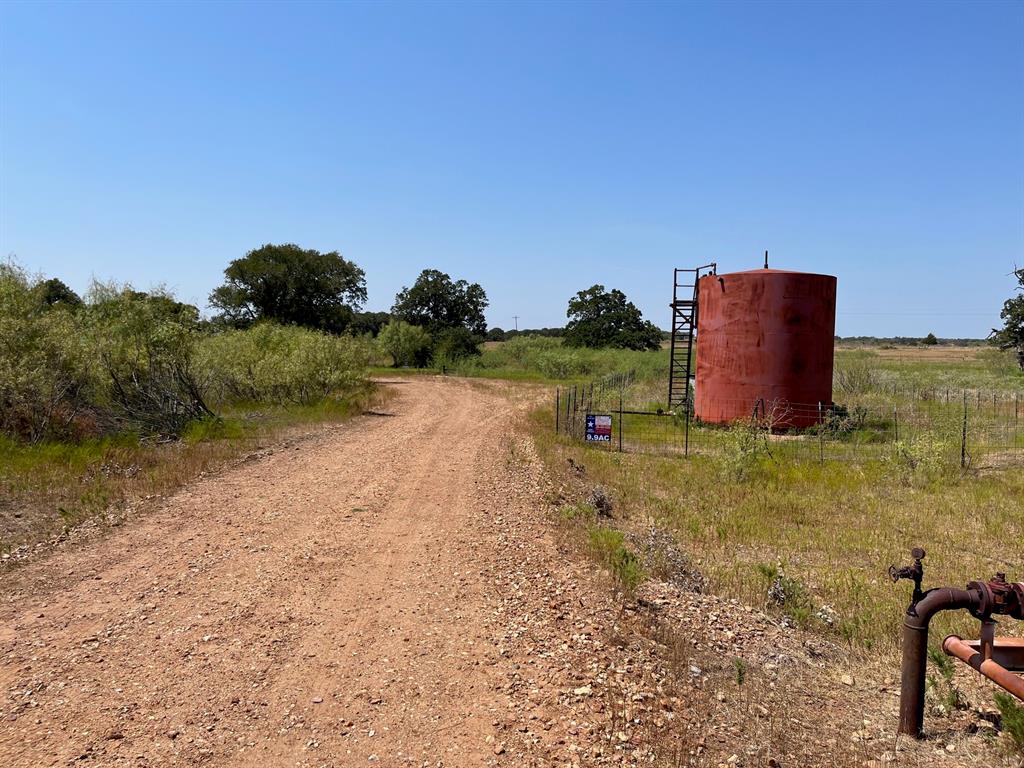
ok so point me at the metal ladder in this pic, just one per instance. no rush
(684, 334)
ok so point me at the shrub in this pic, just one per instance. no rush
(999, 362)
(453, 344)
(609, 545)
(1013, 720)
(921, 458)
(138, 362)
(124, 360)
(943, 687)
(282, 364)
(144, 345)
(745, 443)
(857, 375)
(45, 375)
(840, 422)
(408, 345)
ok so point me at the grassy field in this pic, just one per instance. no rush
(913, 369)
(543, 359)
(824, 533)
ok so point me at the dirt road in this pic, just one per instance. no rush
(356, 598)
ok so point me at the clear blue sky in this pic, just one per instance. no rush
(536, 148)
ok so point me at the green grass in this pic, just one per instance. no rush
(543, 359)
(46, 488)
(1013, 721)
(752, 513)
(609, 547)
(832, 529)
(874, 372)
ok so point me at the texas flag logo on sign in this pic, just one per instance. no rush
(599, 428)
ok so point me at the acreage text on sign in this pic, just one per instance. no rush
(599, 428)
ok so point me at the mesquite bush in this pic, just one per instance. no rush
(282, 364)
(129, 361)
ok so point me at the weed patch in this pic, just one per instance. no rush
(1013, 720)
(609, 547)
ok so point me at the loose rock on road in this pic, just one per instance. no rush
(386, 592)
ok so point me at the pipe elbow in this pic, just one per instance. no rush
(937, 600)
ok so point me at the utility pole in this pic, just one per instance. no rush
(515, 319)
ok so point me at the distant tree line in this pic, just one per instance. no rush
(436, 319)
(910, 341)
(497, 334)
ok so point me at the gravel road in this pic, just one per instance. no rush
(343, 601)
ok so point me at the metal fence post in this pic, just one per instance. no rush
(821, 435)
(558, 408)
(565, 423)
(963, 437)
(686, 418)
(621, 425)
(896, 424)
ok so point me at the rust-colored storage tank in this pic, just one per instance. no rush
(764, 339)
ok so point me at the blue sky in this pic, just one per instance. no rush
(536, 148)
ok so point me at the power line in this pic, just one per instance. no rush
(956, 314)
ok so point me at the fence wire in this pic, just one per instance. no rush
(967, 427)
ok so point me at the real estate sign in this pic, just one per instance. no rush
(599, 428)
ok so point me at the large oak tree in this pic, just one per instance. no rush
(293, 286)
(439, 304)
(600, 318)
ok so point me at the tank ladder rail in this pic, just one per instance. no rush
(684, 333)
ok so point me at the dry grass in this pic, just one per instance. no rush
(772, 699)
(937, 354)
(48, 488)
(829, 530)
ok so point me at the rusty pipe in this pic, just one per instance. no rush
(955, 646)
(915, 650)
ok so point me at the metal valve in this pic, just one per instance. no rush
(998, 596)
(913, 573)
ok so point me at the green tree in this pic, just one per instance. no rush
(368, 323)
(495, 334)
(437, 303)
(600, 318)
(54, 292)
(1011, 335)
(451, 344)
(408, 345)
(293, 286)
(931, 340)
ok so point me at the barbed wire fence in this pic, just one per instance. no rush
(963, 426)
